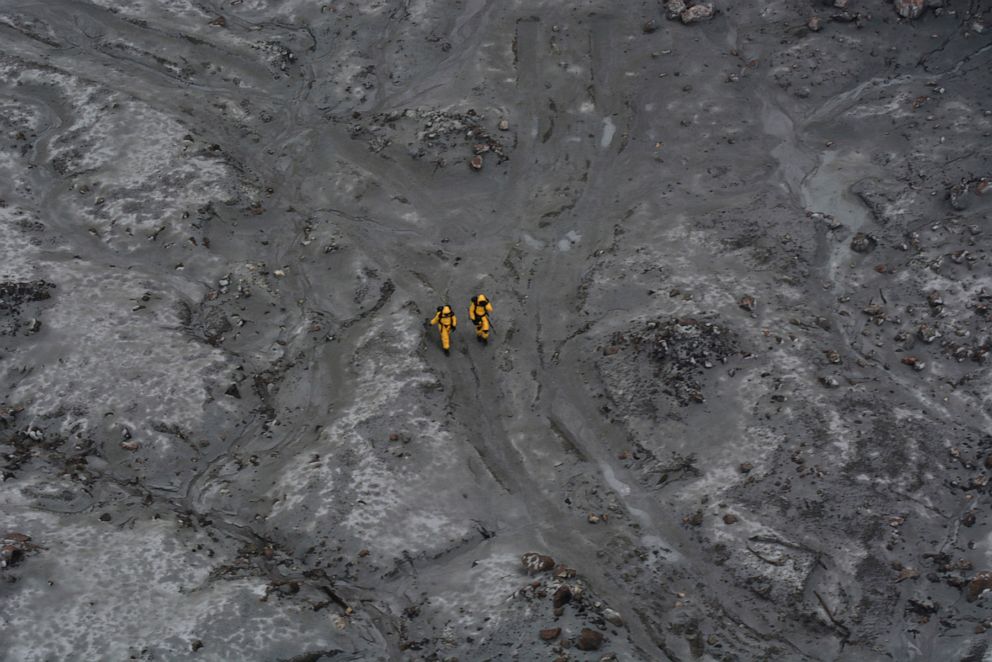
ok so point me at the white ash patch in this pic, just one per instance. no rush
(469, 593)
(140, 586)
(364, 493)
(120, 360)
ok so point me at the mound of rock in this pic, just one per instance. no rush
(679, 349)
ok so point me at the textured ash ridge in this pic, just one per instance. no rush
(734, 407)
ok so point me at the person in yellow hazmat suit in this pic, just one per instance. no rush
(478, 312)
(446, 323)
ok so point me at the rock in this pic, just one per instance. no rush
(504, 125)
(863, 243)
(9, 555)
(562, 596)
(923, 606)
(562, 571)
(729, 519)
(15, 537)
(215, 325)
(829, 381)
(815, 24)
(978, 585)
(697, 13)
(959, 196)
(907, 573)
(927, 333)
(909, 8)
(593, 518)
(362, 553)
(549, 634)
(195, 645)
(674, 9)
(34, 325)
(476, 162)
(105, 517)
(988, 461)
(219, 22)
(613, 617)
(534, 562)
(832, 356)
(746, 467)
(746, 302)
(914, 363)
(130, 445)
(233, 391)
(610, 350)
(650, 26)
(968, 519)
(589, 640)
(695, 519)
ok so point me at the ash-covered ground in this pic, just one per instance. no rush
(736, 405)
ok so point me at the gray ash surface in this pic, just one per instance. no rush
(735, 405)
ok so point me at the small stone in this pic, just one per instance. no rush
(746, 302)
(914, 363)
(233, 391)
(815, 24)
(195, 645)
(650, 26)
(729, 519)
(832, 356)
(534, 562)
(746, 467)
(504, 125)
(829, 381)
(394, 436)
(562, 571)
(909, 8)
(34, 326)
(105, 517)
(130, 445)
(907, 573)
(592, 518)
(968, 519)
(613, 617)
(476, 162)
(279, 273)
(695, 519)
(219, 22)
(562, 596)
(697, 13)
(549, 634)
(959, 196)
(362, 553)
(928, 333)
(610, 350)
(674, 9)
(988, 461)
(9, 555)
(589, 640)
(863, 243)
(978, 585)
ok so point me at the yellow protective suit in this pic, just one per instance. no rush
(446, 322)
(478, 312)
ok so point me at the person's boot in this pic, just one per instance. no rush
(447, 352)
